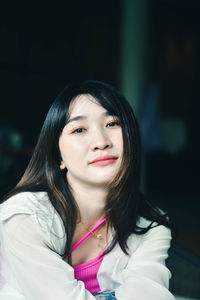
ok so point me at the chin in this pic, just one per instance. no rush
(102, 180)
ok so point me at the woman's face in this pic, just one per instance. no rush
(91, 143)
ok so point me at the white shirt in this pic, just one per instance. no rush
(31, 230)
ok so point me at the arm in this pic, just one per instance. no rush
(40, 272)
(146, 276)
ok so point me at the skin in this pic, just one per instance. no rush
(81, 141)
(84, 140)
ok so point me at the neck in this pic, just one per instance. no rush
(91, 203)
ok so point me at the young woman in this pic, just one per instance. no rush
(77, 227)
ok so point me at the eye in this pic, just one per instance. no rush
(78, 130)
(113, 124)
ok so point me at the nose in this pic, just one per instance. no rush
(100, 141)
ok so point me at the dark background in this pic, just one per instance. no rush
(45, 45)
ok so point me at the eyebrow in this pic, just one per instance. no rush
(81, 117)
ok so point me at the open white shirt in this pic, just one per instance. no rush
(31, 235)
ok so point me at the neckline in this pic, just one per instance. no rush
(90, 262)
(88, 234)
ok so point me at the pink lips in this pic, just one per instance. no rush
(104, 160)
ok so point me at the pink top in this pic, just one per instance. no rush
(87, 272)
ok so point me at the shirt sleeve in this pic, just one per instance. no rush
(146, 276)
(40, 272)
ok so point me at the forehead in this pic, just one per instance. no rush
(84, 104)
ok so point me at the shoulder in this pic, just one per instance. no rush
(36, 204)
(157, 236)
(155, 229)
(33, 208)
(24, 203)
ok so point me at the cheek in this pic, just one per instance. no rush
(119, 141)
(79, 145)
(71, 149)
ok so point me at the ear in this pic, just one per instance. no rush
(62, 165)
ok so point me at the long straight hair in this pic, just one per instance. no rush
(125, 203)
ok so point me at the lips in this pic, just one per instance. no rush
(104, 160)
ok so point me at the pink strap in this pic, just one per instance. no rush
(87, 235)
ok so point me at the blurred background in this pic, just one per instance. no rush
(148, 49)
